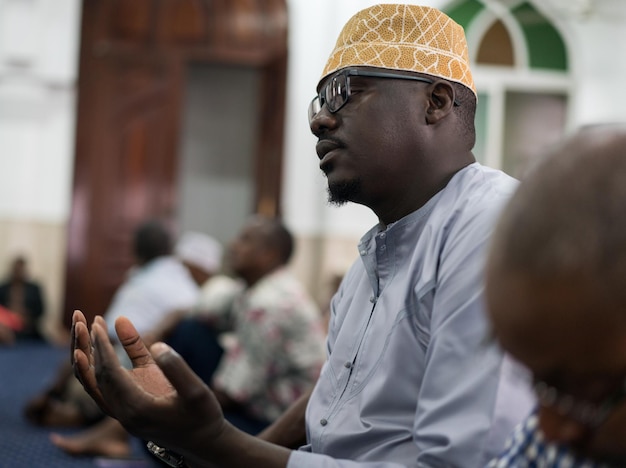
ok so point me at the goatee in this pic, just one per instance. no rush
(342, 192)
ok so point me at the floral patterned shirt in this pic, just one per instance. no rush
(275, 349)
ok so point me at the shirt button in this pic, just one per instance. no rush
(348, 365)
(383, 247)
(372, 299)
(363, 252)
(323, 422)
(383, 235)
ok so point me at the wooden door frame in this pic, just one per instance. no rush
(176, 33)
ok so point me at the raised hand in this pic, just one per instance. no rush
(160, 400)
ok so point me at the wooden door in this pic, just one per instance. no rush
(132, 63)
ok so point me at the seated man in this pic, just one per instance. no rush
(23, 297)
(268, 348)
(555, 294)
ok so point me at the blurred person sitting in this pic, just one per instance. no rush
(258, 342)
(23, 298)
(203, 258)
(159, 284)
(268, 348)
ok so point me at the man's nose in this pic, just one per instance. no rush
(323, 120)
(560, 428)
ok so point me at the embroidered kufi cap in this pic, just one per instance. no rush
(403, 37)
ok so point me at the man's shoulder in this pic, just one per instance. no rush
(477, 182)
(476, 194)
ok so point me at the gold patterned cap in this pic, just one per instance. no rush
(403, 37)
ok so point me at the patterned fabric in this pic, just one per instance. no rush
(403, 37)
(527, 448)
(276, 349)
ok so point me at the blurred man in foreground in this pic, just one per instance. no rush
(557, 300)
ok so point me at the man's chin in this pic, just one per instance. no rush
(340, 193)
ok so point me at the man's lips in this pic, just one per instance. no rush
(324, 147)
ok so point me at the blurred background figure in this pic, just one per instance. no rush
(257, 340)
(23, 302)
(267, 349)
(161, 283)
(158, 284)
(202, 256)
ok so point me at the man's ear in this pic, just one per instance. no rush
(440, 101)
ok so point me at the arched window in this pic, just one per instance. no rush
(521, 70)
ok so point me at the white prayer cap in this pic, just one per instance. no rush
(200, 250)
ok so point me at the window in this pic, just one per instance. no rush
(521, 70)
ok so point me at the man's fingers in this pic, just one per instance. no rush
(82, 341)
(84, 372)
(77, 318)
(132, 342)
(111, 377)
(185, 381)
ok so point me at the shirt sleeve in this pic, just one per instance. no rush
(465, 393)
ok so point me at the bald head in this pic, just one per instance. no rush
(558, 255)
(568, 215)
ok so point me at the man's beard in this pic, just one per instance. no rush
(341, 193)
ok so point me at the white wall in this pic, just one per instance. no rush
(598, 42)
(38, 70)
(39, 42)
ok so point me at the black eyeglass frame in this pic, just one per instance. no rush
(348, 72)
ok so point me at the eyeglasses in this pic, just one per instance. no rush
(584, 412)
(336, 92)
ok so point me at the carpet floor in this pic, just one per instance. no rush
(26, 369)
